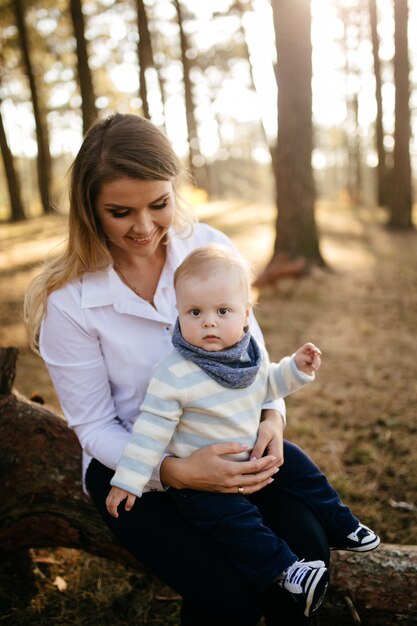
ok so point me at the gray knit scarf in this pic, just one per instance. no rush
(235, 367)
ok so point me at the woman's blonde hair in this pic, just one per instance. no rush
(213, 258)
(122, 145)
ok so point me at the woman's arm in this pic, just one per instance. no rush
(270, 439)
(80, 377)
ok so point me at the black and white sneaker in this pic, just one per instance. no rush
(307, 582)
(363, 539)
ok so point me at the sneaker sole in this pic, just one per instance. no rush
(366, 548)
(316, 591)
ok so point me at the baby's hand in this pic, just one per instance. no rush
(115, 497)
(308, 358)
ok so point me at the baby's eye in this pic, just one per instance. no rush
(223, 312)
(195, 312)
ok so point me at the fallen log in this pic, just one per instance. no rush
(43, 505)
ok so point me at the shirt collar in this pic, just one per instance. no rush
(174, 257)
(104, 288)
(96, 289)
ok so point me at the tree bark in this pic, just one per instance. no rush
(372, 589)
(196, 161)
(44, 164)
(401, 194)
(296, 243)
(13, 185)
(379, 129)
(145, 55)
(43, 505)
(350, 18)
(85, 81)
(240, 9)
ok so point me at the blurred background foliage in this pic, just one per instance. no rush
(208, 74)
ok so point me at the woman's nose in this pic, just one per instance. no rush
(142, 225)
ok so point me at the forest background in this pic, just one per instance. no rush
(303, 150)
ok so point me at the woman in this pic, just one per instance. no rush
(102, 315)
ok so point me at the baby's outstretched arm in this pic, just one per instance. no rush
(308, 358)
(115, 497)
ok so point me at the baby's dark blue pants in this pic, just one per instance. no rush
(194, 564)
(238, 525)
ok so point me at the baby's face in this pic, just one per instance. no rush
(213, 311)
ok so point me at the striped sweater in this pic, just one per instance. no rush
(184, 410)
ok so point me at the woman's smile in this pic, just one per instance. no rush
(141, 240)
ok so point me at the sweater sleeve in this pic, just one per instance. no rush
(285, 378)
(152, 432)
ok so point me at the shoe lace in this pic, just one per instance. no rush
(299, 569)
(354, 535)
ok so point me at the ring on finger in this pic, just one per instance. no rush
(241, 490)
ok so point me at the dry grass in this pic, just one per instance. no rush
(358, 421)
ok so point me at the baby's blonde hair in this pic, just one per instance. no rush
(206, 260)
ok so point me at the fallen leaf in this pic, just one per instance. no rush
(60, 583)
(406, 506)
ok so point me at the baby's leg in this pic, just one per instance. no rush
(237, 525)
(258, 554)
(302, 478)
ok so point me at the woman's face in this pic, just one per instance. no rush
(135, 215)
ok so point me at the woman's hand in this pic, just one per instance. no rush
(208, 470)
(270, 437)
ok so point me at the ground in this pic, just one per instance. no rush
(358, 420)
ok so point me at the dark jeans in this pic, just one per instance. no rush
(237, 523)
(196, 566)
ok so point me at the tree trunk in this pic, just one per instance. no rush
(351, 24)
(401, 195)
(43, 505)
(379, 129)
(240, 9)
(372, 589)
(13, 184)
(44, 166)
(85, 81)
(145, 55)
(296, 243)
(196, 161)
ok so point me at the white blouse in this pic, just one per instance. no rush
(100, 342)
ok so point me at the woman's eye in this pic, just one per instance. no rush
(195, 312)
(162, 205)
(223, 312)
(121, 214)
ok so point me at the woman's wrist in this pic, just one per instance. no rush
(274, 416)
(172, 472)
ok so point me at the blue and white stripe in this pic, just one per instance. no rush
(184, 410)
